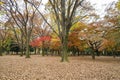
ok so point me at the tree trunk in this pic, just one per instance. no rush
(64, 54)
(21, 51)
(64, 50)
(113, 53)
(43, 52)
(97, 52)
(21, 46)
(0, 53)
(35, 51)
(21, 54)
(39, 49)
(1, 49)
(27, 48)
(93, 55)
(78, 53)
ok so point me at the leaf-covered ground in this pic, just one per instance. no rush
(50, 68)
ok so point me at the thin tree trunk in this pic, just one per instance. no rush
(38, 50)
(21, 54)
(35, 51)
(78, 53)
(21, 48)
(43, 52)
(0, 53)
(93, 55)
(113, 53)
(21, 51)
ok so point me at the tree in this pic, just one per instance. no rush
(18, 36)
(65, 12)
(55, 44)
(41, 30)
(5, 37)
(113, 21)
(23, 17)
(42, 42)
(93, 35)
(75, 44)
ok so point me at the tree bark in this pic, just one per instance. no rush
(21, 47)
(43, 52)
(27, 48)
(35, 51)
(93, 55)
(113, 53)
(64, 50)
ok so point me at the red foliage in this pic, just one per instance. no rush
(38, 41)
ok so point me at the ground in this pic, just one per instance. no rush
(50, 68)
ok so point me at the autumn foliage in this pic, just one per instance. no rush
(38, 41)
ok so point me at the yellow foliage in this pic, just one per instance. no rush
(55, 40)
(118, 5)
(1, 3)
(78, 26)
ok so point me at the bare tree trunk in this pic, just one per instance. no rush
(21, 46)
(43, 51)
(64, 50)
(93, 55)
(0, 53)
(27, 48)
(113, 53)
(35, 51)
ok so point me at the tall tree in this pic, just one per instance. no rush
(66, 13)
(23, 16)
(113, 21)
(5, 36)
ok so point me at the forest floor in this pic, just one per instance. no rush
(50, 68)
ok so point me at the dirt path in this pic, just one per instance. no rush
(50, 68)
